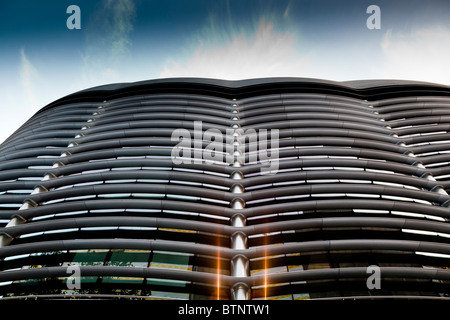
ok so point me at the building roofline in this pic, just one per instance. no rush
(353, 84)
(374, 89)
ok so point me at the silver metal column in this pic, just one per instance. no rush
(239, 263)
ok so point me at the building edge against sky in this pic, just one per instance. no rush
(280, 188)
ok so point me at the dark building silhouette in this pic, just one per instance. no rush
(279, 188)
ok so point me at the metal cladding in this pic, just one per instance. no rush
(280, 188)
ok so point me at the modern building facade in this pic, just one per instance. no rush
(282, 188)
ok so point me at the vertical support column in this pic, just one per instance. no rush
(239, 263)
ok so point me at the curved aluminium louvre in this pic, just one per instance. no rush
(361, 179)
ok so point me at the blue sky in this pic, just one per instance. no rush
(42, 60)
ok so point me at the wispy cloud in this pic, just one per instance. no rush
(28, 78)
(239, 55)
(108, 41)
(286, 11)
(22, 93)
(419, 55)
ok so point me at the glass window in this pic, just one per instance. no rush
(129, 258)
(129, 280)
(170, 295)
(171, 260)
(89, 257)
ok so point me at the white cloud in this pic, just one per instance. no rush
(266, 53)
(22, 95)
(230, 53)
(123, 14)
(420, 55)
(286, 11)
(108, 42)
(28, 76)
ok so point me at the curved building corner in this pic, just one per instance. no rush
(187, 188)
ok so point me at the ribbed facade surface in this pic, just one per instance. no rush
(313, 183)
